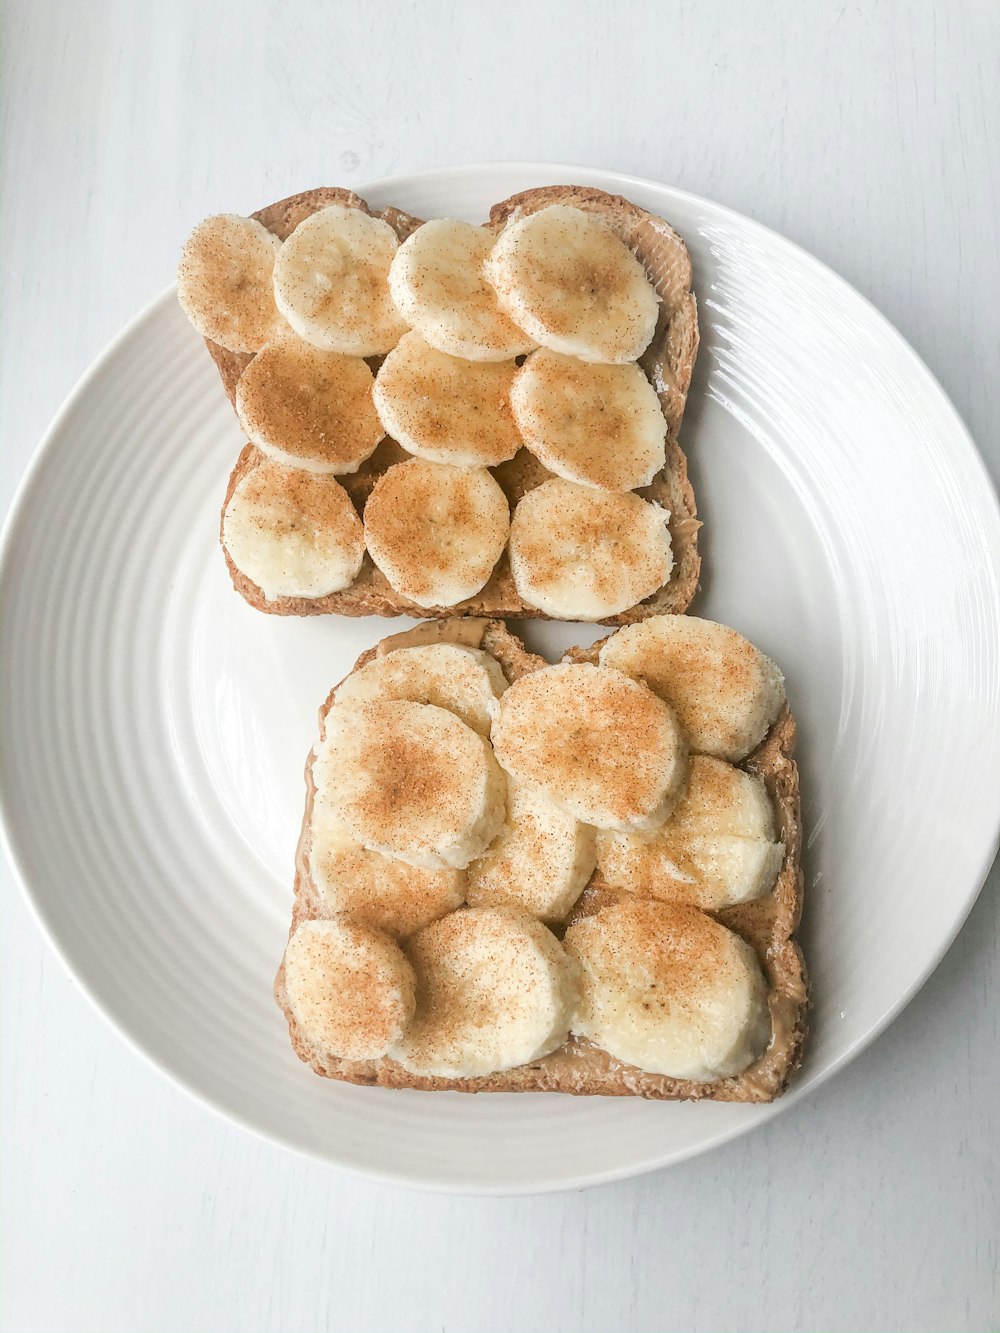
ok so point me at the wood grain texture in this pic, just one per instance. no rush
(865, 133)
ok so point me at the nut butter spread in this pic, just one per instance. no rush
(467, 633)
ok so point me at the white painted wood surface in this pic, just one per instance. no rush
(867, 133)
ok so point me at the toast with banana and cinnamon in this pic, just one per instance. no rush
(581, 877)
(450, 420)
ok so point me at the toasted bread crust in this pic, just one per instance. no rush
(578, 1067)
(668, 361)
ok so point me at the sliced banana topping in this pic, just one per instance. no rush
(224, 282)
(563, 276)
(445, 409)
(411, 781)
(725, 692)
(350, 988)
(716, 848)
(307, 408)
(436, 532)
(331, 282)
(597, 425)
(669, 990)
(371, 888)
(292, 533)
(596, 743)
(494, 989)
(465, 681)
(437, 283)
(581, 554)
(539, 862)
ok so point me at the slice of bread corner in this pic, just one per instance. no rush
(668, 361)
(578, 1067)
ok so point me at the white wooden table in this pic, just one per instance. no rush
(867, 133)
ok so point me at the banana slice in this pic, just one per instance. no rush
(669, 990)
(581, 554)
(445, 409)
(224, 282)
(539, 862)
(434, 531)
(597, 425)
(437, 283)
(411, 781)
(717, 847)
(292, 533)
(331, 282)
(594, 742)
(371, 888)
(465, 681)
(494, 990)
(308, 409)
(350, 988)
(564, 277)
(725, 692)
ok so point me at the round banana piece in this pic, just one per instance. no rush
(435, 531)
(224, 282)
(437, 283)
(292, 533)
(725, 692)
(717, 848)
(581, 554)
(563, 276)
(594, 742)
(411, 781)
(308, 409)
(465, 681)
(351, 989)
(331, 282)
(494, 990)
(597, 425)
(540, 861)
(444, 409)
(669, 990)
(371, 888)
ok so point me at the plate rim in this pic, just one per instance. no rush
(961, 439)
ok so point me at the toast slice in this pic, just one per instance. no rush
(768, 924)
(668, 362)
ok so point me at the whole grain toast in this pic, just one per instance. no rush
(768, 924)
(668, 362)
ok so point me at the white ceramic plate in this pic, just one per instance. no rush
(154, 727)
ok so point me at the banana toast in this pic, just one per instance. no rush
(766, 923)
(667, 362)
